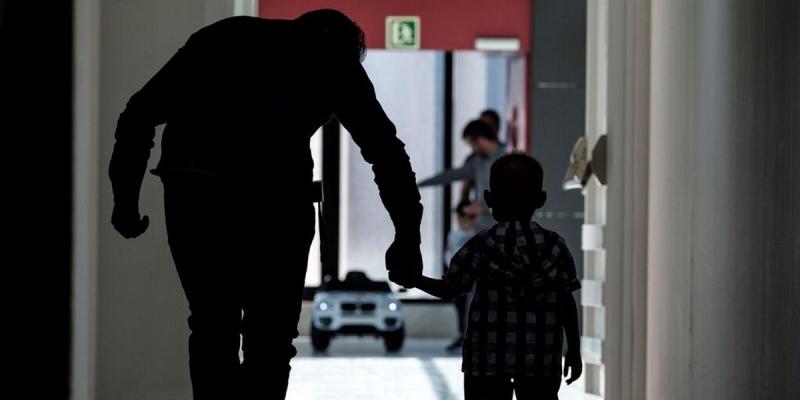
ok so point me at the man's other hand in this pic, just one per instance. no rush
(128, 223)
(404, 262)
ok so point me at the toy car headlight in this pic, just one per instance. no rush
(392, 306)
(323, 306)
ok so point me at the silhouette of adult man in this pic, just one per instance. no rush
(241, 100)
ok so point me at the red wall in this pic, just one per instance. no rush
(445, 24)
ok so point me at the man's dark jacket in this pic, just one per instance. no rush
(241, 100)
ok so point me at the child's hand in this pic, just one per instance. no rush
(573, 361)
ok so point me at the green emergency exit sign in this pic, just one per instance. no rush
(402, 32)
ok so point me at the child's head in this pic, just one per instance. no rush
(515, 184)
(465, 215)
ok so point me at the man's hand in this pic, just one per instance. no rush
(404, 262)
(574, 362)
(127, 222)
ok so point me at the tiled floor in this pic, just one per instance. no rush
(359, 369)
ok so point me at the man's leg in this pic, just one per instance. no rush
(198, 240)
(273, 294)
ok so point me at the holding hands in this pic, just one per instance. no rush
(404, 262)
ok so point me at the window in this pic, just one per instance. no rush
(409, 86)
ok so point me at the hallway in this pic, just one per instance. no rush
(680, 118)
(359, 369)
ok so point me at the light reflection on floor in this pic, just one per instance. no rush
(359, 369)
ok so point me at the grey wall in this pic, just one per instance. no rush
(141, 311)
(724, 241)
(557, 113)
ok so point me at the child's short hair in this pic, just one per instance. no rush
(515, 181)
(477, 128)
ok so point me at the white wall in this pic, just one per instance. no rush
(670, 219)
(619, 49)
(141, 349)
(724, 247)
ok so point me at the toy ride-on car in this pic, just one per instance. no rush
(357, 306)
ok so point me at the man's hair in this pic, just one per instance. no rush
(477, 128)
(515, 180)
(334, 32)
(491, 115)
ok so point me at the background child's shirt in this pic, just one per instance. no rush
(516, 271)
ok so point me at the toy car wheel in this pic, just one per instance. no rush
(320, 340)
(393, 340)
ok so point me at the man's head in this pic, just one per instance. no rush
(492, 118)
(515, 183)
(480, 136)
(331, 31)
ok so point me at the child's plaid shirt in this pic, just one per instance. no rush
(518, 272)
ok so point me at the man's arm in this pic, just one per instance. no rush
(460, 277)
(362, 115)
(146, 109)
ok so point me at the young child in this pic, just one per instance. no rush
(523, 277)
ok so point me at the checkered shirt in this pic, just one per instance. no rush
(516, 272)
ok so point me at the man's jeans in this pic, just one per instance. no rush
(241, 259)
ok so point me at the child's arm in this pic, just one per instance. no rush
(569, 311)
(460, 275)
(437, 287)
